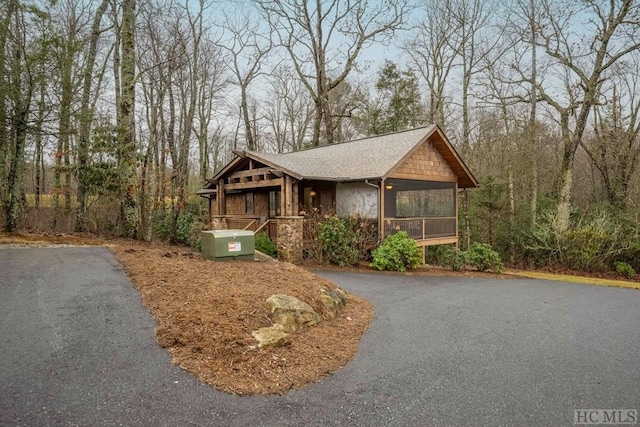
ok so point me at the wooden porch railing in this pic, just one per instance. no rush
(422, 228)
(242, 224)
(270, 227)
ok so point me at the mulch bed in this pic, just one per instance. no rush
(207, 310)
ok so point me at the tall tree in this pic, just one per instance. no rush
(433, 55)
(22, 85)
(126, 119)
(289, 112)
(85, 116)
(247, 48)
(402, 107)
(324, 40)
(471, 20)
(610, 30)
(615, 147)
(9, 9)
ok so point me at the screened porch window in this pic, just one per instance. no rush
(419, 199)
(423, 209)
(425, 203)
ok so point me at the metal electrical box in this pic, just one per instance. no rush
(221, 245)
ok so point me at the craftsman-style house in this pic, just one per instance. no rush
(406, 180)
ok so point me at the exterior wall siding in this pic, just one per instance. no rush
(356, 198)
(236, 204)
(261, 205)
(425, 163)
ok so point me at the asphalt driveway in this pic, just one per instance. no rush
(77, 349)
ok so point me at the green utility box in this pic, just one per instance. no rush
(222, 245)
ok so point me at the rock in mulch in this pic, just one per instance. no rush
(291, 313)
(271, 337)
(333, 300)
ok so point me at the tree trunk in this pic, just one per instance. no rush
(533, 137)
(248, 128)
(16, 171)
(126, 125)
(4, 89)
(86, 118)
(317, 123)
(565, 193)
(19, 124)
(466, 224)
(512, 214)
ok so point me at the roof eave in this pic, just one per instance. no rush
(255, 156)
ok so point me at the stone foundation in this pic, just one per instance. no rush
(290, 240)
(218, 223)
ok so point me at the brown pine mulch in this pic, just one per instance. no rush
(207, 310)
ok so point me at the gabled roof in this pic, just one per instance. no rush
(366, 158)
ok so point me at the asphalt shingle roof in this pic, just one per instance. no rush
(360, 159)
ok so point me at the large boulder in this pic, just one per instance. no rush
(333, 300)
(271, 337)
(291, 313)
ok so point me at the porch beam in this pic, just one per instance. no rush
(288, 196)
(220, 196)
(438, 241)
(253, 172)
(295, 200)
(435, 178)
(255, 184)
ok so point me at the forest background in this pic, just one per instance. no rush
(114, 112)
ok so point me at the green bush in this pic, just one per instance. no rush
(593, 241)
(582, 248)
(265, 245)
(366, 232)
(452, 257)
(483, 257)
(339, 241)
(541, 245)
(397, 253)
(188, 227)
(625, 269)
(188, 230)
(184, 227)
(161, 224)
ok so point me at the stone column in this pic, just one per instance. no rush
(290, 238)
(218, 222)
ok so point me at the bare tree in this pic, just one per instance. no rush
(85, 115)
(615, 148)
(8, 9)
(324, 40)
(289, 113)
(433, 55)
(21, 87)
(476, 51)
(212, 84)
(583, 60)
(247, 48)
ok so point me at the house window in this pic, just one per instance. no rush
(248, 203)
(274, 204)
